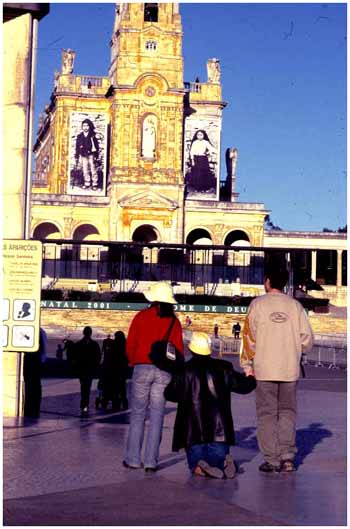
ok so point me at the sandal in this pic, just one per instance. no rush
(288, 466)
(229, 467)
(212, 472)
(197, 471)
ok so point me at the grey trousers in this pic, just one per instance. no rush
(276, 407)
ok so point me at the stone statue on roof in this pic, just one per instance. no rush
(213, 70)
(68, 57)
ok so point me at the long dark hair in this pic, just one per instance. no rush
(206, 137)
(120, 341)
(165, 310)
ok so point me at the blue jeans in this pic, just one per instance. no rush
(212, 453)
(147, 392)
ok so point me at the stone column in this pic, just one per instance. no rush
(314, 265)
(67, 228)
(339, 268)
(18, 67)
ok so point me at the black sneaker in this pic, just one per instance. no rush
(151, 469)
(267, 467)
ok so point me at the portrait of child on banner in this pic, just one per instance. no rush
(87, 154)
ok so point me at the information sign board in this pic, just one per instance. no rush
(20, 304)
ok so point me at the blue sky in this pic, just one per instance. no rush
(283, 72)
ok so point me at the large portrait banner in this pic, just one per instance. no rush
(201, 155)
(87, 153)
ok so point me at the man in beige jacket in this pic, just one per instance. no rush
(275, 334)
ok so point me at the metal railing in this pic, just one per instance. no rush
(193, 87)
(332, 356)
(91, 81)
(323, 354)
(214, 268)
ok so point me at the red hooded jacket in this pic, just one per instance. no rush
(147, 327)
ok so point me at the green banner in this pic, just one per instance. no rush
(108, 305)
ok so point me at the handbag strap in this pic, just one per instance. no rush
(166, 337)
(211, 385)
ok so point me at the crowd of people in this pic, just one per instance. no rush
(112, 371)
(275, 334)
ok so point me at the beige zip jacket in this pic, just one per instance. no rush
(276, 332)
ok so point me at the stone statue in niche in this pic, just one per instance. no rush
(213, 69)
(68, 57)
(149, 137)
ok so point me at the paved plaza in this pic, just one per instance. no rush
(62, 470)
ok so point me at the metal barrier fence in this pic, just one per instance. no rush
(327, 355)
(330, 355)
(228, 345)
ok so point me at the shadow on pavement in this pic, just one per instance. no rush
(308, 438)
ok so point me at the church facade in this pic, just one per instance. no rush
(151, 169)
(135, 156)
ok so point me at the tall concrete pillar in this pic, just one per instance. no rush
(19, 55)
(314, 265)
(339, 268)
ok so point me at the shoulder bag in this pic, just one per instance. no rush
(164, 354)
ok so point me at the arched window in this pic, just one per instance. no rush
(145, 233)
(237, 238)
(151, 12)
(151, 45)
(46, 230)
(86, 232)
(199, 236)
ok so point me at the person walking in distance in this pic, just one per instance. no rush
(203, 424)
(106, 374)
(148, 381)
(236, 329)
(216, 330)
(69, 350)
(32, 371)
(114, 371)
(88, 358)
(121, 400)
(275, 334)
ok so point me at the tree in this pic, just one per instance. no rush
(344, 229)
(269, 225)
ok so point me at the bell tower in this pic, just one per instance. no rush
(147, 106)
(146, 37)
